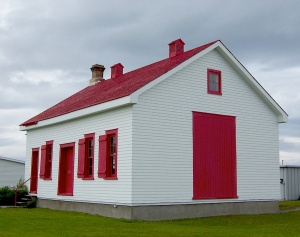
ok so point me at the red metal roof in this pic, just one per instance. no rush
(115, 88)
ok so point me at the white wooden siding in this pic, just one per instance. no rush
(10, 172)
(157, 168)
(97, 190)
(162, 135)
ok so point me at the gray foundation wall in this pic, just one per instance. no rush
(164, 212)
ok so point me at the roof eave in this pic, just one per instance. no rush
(282, 116)
(128, 100)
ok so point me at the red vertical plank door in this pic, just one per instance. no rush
(66, 170)
(214, 156)
(34, 170)
(69, 170)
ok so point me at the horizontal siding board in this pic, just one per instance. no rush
(158, 167)
(97, 190)
(165, 144)
(10, 172)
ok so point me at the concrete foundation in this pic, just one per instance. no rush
(164, 212)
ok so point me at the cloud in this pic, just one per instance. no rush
(12, 141)
(47, 49)
(4, 12)
(39, 88)
(289, 158)
(293, 140)
(282, 84)
(290, 145)
(36, 77)
(290, 142)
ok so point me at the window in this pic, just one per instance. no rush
(108, 155)
(46, 161)
(112, 154)
(90, 157)
(86, 157)
(214, 82)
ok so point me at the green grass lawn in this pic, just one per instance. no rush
(45, 222)
(289, 205)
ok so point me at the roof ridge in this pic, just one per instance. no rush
(207, 44)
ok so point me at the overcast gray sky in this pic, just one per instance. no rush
(47, 49)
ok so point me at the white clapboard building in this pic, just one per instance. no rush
(191, 135)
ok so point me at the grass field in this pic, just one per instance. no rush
(45, 222)
(289, 205)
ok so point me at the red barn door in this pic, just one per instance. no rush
(214, 156)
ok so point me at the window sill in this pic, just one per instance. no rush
(214, 93)
(47, 178)
(88, 178)
(65, 194)
(111, 178)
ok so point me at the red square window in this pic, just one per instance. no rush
(214, 82)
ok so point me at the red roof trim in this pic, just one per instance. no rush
(29, 123)
(115, 88)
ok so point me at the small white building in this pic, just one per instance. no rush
(191, 135)
(11, 170)
(290, 182)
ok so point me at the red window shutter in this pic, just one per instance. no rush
(43, 162)
(81, 158)
(102, 156)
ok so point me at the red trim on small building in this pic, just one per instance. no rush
(214, 82)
